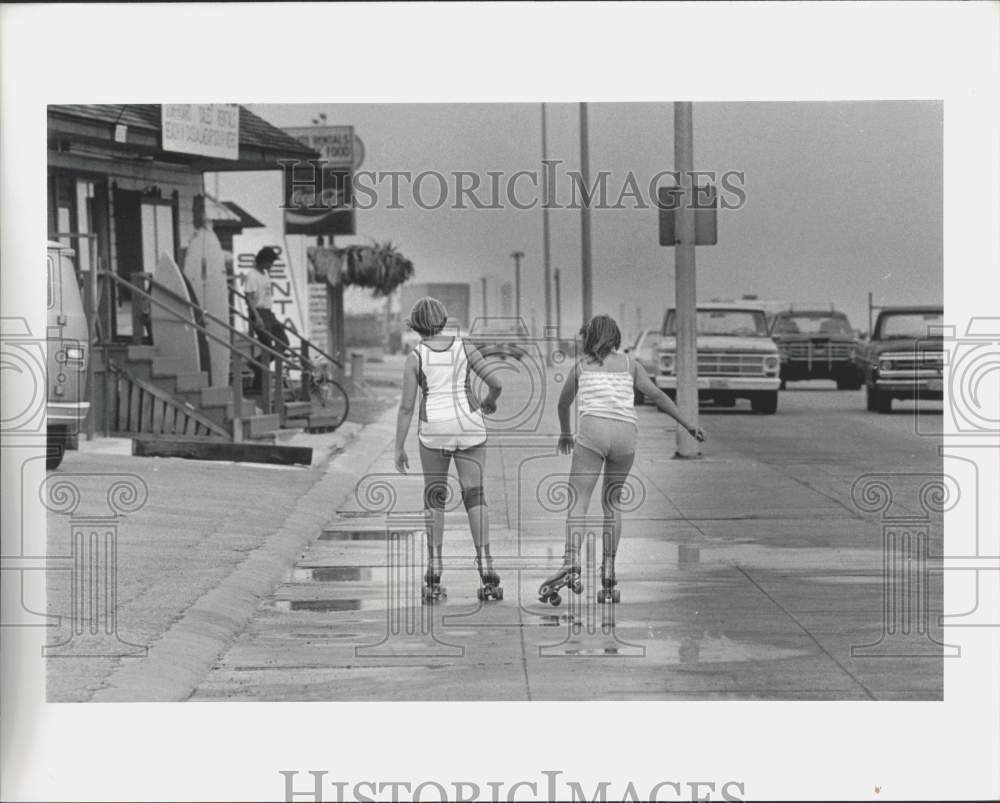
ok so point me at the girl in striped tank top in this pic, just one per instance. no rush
(451, 426)
(603, 383)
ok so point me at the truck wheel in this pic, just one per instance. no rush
(877, 401)
(765, 402)
(55, 446)
(849, 381)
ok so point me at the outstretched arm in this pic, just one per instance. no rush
(490, 376)
(405, 416)
(645, 386)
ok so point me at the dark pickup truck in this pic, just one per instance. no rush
(904, 357)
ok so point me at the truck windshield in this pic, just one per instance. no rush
(909, 325)
(732, 322)
(824, 324)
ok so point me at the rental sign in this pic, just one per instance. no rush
(203, 129)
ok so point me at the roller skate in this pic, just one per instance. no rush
(433, 591)
(608, 592)
(490, 588)
(568, 575)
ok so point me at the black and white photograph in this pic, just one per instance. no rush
(500, 424)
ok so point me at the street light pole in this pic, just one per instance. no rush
(517, 283)
(585, 268)
(555, 278)
(546, 270)
(684, 277)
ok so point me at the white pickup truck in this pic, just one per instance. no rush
(737, 359)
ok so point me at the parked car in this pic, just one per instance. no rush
(904, 357)
(736, 357)
(67, 352)
(816, 344)
(646, 352)
(501, 337)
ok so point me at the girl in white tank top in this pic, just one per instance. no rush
(451, 427)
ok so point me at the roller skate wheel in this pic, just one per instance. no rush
(481, 593)
(577, 587)
(499, 593)
(555, 599)
(544, 591)
(616, 595)
(600, 597)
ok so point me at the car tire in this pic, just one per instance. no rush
(848, 381)
(55, 446)
(765, 402)
(877, 401)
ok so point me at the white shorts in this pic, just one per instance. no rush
(451, 435)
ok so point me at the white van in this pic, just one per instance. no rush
(68, 349)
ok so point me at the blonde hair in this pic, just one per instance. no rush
(427, 317)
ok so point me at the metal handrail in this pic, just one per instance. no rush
(280, 357)
(194, 307)
(305, 341)
(237, 356)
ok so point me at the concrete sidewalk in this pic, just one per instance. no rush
(193, 562)
(739, 580)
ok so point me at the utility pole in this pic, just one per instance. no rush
(585, 269)
(546, 270)
(518, 255)
(685, 283)
(555, 278)
(485, 307)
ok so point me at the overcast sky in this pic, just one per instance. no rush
(841, 198)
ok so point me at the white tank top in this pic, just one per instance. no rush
(446, 394)
(606, 394)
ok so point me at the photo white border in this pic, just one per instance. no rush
(523, 52)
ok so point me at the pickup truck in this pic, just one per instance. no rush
(903, 358)
(736, 357)
(816, 344)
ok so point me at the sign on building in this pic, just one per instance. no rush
(318, 196)
(203, 129)
(286, 303)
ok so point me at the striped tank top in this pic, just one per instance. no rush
(606, 394)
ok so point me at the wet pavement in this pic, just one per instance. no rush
(751, 573)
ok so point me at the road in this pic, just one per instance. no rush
(747, 574)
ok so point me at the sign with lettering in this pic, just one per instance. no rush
(203, 129)
(319, 315)
(285, 297)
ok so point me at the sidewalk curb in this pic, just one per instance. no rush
(181, 657)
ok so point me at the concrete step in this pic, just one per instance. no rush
(298, 409)
(142, 353)
(164, 367)
(218, 394)
(258, 426)
(222, 414)
(191, 381)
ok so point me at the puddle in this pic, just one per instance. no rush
(554, 620)
(332, 574)
(325, 605)
(358, 535)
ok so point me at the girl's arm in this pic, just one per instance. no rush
(645, 386)
(565, 403)
(490, 376)
(405, 416)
